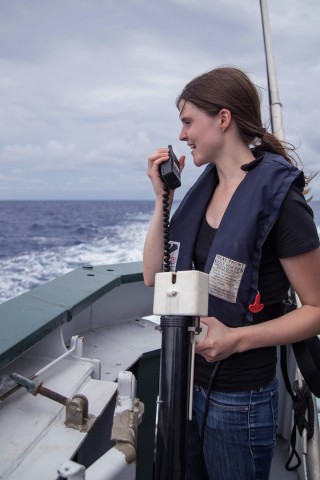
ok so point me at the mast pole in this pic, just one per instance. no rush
(312, 456)
(274, 100)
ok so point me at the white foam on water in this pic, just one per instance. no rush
(22, 273)
(120, 244)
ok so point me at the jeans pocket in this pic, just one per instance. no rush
(226, 401)
(228, 407)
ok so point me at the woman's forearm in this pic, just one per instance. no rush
(297, 325)
(154, 247)
(222, 341)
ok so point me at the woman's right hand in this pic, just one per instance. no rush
(154, 161)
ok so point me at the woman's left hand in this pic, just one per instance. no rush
(220, 341)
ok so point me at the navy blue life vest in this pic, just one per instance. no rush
(235, 254)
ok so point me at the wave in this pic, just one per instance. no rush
(25, 272)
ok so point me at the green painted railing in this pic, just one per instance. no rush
(28, 318)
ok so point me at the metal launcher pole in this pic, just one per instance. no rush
(179, 299)
(173, 398)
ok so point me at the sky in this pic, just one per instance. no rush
(88, 87)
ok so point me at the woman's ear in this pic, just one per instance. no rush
(225, 118)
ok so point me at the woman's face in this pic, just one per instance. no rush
(202, 133)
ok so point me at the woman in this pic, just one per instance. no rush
(245, 222)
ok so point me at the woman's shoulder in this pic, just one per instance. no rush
(296, 199)
(294, 231)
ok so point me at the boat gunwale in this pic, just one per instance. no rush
(28, 318)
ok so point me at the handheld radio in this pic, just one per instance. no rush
(170, 175)
(170, 171)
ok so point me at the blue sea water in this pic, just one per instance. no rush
(41, 240)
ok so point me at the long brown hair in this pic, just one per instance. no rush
(231, 88)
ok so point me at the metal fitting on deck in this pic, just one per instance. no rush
(76, 407)
(128, 414)
(77, 412)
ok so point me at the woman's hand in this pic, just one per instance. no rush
(154, 161)
(220, 342)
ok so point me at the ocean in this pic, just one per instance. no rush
(41, 240)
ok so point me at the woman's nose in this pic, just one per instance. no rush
(183, 135)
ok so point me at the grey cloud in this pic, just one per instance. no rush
(88, 87)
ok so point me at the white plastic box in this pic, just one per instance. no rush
(182, 293)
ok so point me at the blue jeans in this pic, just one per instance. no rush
(239, 436)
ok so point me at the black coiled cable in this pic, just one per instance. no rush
(166, 215)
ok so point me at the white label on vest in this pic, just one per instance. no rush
(225, 277)
(174, 253)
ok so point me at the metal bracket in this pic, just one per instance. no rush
(76, 407)
(77, 412)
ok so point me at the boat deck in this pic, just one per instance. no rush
(106, 309)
